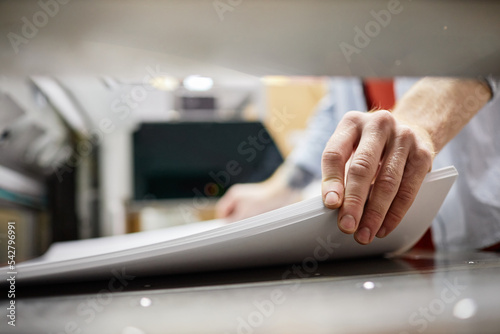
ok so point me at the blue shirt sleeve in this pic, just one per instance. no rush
(344, 94)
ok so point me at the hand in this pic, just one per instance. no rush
(389, 161)
(245, 200)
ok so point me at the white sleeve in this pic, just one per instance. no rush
(494, 84)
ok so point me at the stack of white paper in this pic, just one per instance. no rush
(304, 232)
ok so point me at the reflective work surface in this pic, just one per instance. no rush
(417, 293)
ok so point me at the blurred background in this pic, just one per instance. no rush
(94, 156)
(125, 116)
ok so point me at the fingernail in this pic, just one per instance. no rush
(347, 223)
(363, 235)
(331, 198)
(381, 232)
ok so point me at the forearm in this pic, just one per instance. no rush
(438, 108)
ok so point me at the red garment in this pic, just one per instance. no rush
(379, 94)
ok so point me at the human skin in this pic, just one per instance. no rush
(388, 154)
(245, 200)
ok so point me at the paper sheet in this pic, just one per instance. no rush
(305, 231)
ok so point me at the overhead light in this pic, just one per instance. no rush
(165, 83)
(198, 83)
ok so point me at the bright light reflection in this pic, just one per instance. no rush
(145, 302)
(465, 308)
(368, 285)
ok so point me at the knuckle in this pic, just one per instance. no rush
(406, 194)
(354, 200)
(406, 134)
(393, 217)
(332, 157)
(362, 165)
(392, 169)
(383, 119)
(422, 157)
(422, 153)
(352, 116)
(388, 181)
(351, 119)
(373, 216)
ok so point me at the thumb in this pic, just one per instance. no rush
(337, 152)
(332, 185)
(333, 193)
(334, 169)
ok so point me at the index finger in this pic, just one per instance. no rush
(337, 152)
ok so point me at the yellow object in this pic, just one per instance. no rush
(290, 103)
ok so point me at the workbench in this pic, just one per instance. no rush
(419, 292)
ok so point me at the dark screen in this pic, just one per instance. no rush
(185, 160)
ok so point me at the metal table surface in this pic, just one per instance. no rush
(416, 293)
